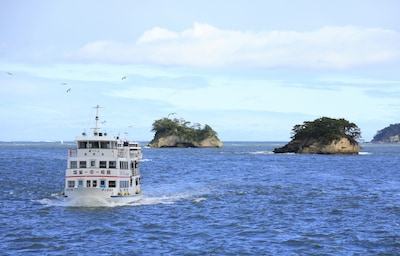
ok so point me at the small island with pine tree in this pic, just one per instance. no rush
(323, 136)
(180, 133)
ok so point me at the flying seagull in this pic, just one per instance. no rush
(123, 78)
(9, 73)
(69, 90)
(170, 114)
(63, 83)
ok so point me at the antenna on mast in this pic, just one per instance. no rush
(96, 128)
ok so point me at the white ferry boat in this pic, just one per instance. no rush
(102, 169)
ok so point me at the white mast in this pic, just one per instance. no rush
(96, 128)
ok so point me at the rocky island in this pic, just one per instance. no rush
(179, 133)
(323, 136)
(390, 134)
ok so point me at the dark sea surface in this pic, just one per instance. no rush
(238, 200)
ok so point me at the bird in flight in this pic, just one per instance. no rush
(123, 78)
(69, 90)
(63, 83)
(9, 73)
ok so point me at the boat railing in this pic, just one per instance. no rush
(135, 172)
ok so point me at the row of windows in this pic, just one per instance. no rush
(102, 164)
(97, 144)
(102, 183)
(92, 183)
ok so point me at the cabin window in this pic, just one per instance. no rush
(102, 183)
(112, 164)
(102, 172)
(82, 144)
(88, 183)
(80, 172)
(91, 171)
(93, 144)
(103, 164)
(108, 172)
(123, 165)
(124, 183)
(71, 183)
(105, 144)
(80, 183)
(92, 163)
(111, 184)
(75, 172)
(82, 164)
(73, 164)
(94, 183)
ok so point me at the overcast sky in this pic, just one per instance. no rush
(249, 69)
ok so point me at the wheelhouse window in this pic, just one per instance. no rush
(112, 164)
(105, 144)
(103, 164)
(82, 164)
(111, 184)
(71, 183)
(82, 144)
(93, 144)
(73, 164)
(92, 163)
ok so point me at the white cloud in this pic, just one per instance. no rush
(206, 46)
(157, 34)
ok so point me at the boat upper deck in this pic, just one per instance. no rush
(108, 146)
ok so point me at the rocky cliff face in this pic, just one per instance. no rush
(311, 146)
(178, 142)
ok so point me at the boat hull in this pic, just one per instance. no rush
(93, 197)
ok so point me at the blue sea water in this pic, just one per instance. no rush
(238, 200)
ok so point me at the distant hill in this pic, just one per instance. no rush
(390, 134)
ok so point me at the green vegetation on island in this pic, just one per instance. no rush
(326, 130)
(322, 135)
(388, 134)
(183, 133)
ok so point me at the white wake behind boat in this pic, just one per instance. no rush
(102, 169)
